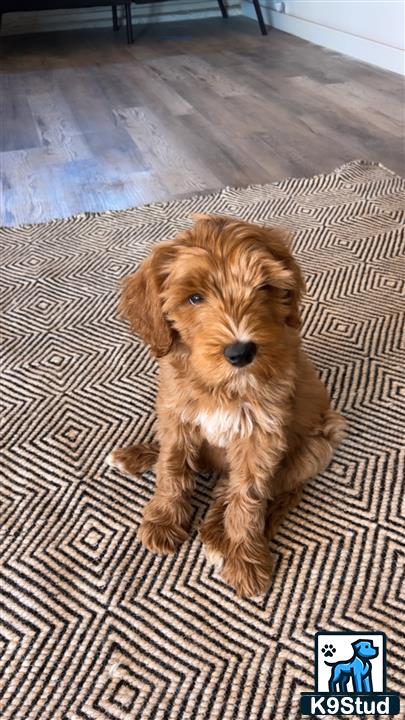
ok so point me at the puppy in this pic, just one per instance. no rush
(219, 308)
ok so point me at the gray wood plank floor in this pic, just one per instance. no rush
(89, 123)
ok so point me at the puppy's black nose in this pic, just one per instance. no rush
(240, 354)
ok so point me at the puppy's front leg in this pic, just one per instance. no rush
(166, 517)
(248, 563)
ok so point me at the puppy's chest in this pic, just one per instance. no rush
(222, 425)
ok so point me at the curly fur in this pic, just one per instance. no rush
(266, 428)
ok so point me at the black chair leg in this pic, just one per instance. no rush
(115, 18)
(260, 20)
(130, 35)
(223, 9)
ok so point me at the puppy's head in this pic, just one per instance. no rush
(227, 291)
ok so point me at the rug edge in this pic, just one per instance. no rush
(209, 193)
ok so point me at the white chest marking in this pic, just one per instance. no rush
(221, 426)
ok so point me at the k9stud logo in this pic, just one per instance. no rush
(350, 676)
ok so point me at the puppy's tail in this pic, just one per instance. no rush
(334, 427)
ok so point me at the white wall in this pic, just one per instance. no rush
(369, 30)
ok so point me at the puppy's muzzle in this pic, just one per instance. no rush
(240, 354)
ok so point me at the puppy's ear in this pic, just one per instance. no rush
(294, 294)
(141, 303)
(288, 278)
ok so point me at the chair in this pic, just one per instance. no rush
(7, 6)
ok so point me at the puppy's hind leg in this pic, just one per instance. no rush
(311, 455)
(134, 459)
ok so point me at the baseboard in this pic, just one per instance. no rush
(374, 53)
(96, 17)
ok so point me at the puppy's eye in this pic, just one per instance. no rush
(265, 286)
(195, 299)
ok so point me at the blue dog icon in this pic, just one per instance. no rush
(358, 669)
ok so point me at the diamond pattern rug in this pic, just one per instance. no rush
(92, 625)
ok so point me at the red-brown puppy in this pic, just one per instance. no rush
(219, 307)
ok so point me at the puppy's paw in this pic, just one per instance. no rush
(119, 459)
(161, 539)
(249, 576)
(334, 428)
(213, 557)
(133, 459)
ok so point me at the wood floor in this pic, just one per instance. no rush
(89, 123)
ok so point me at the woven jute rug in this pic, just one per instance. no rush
(93, 625)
